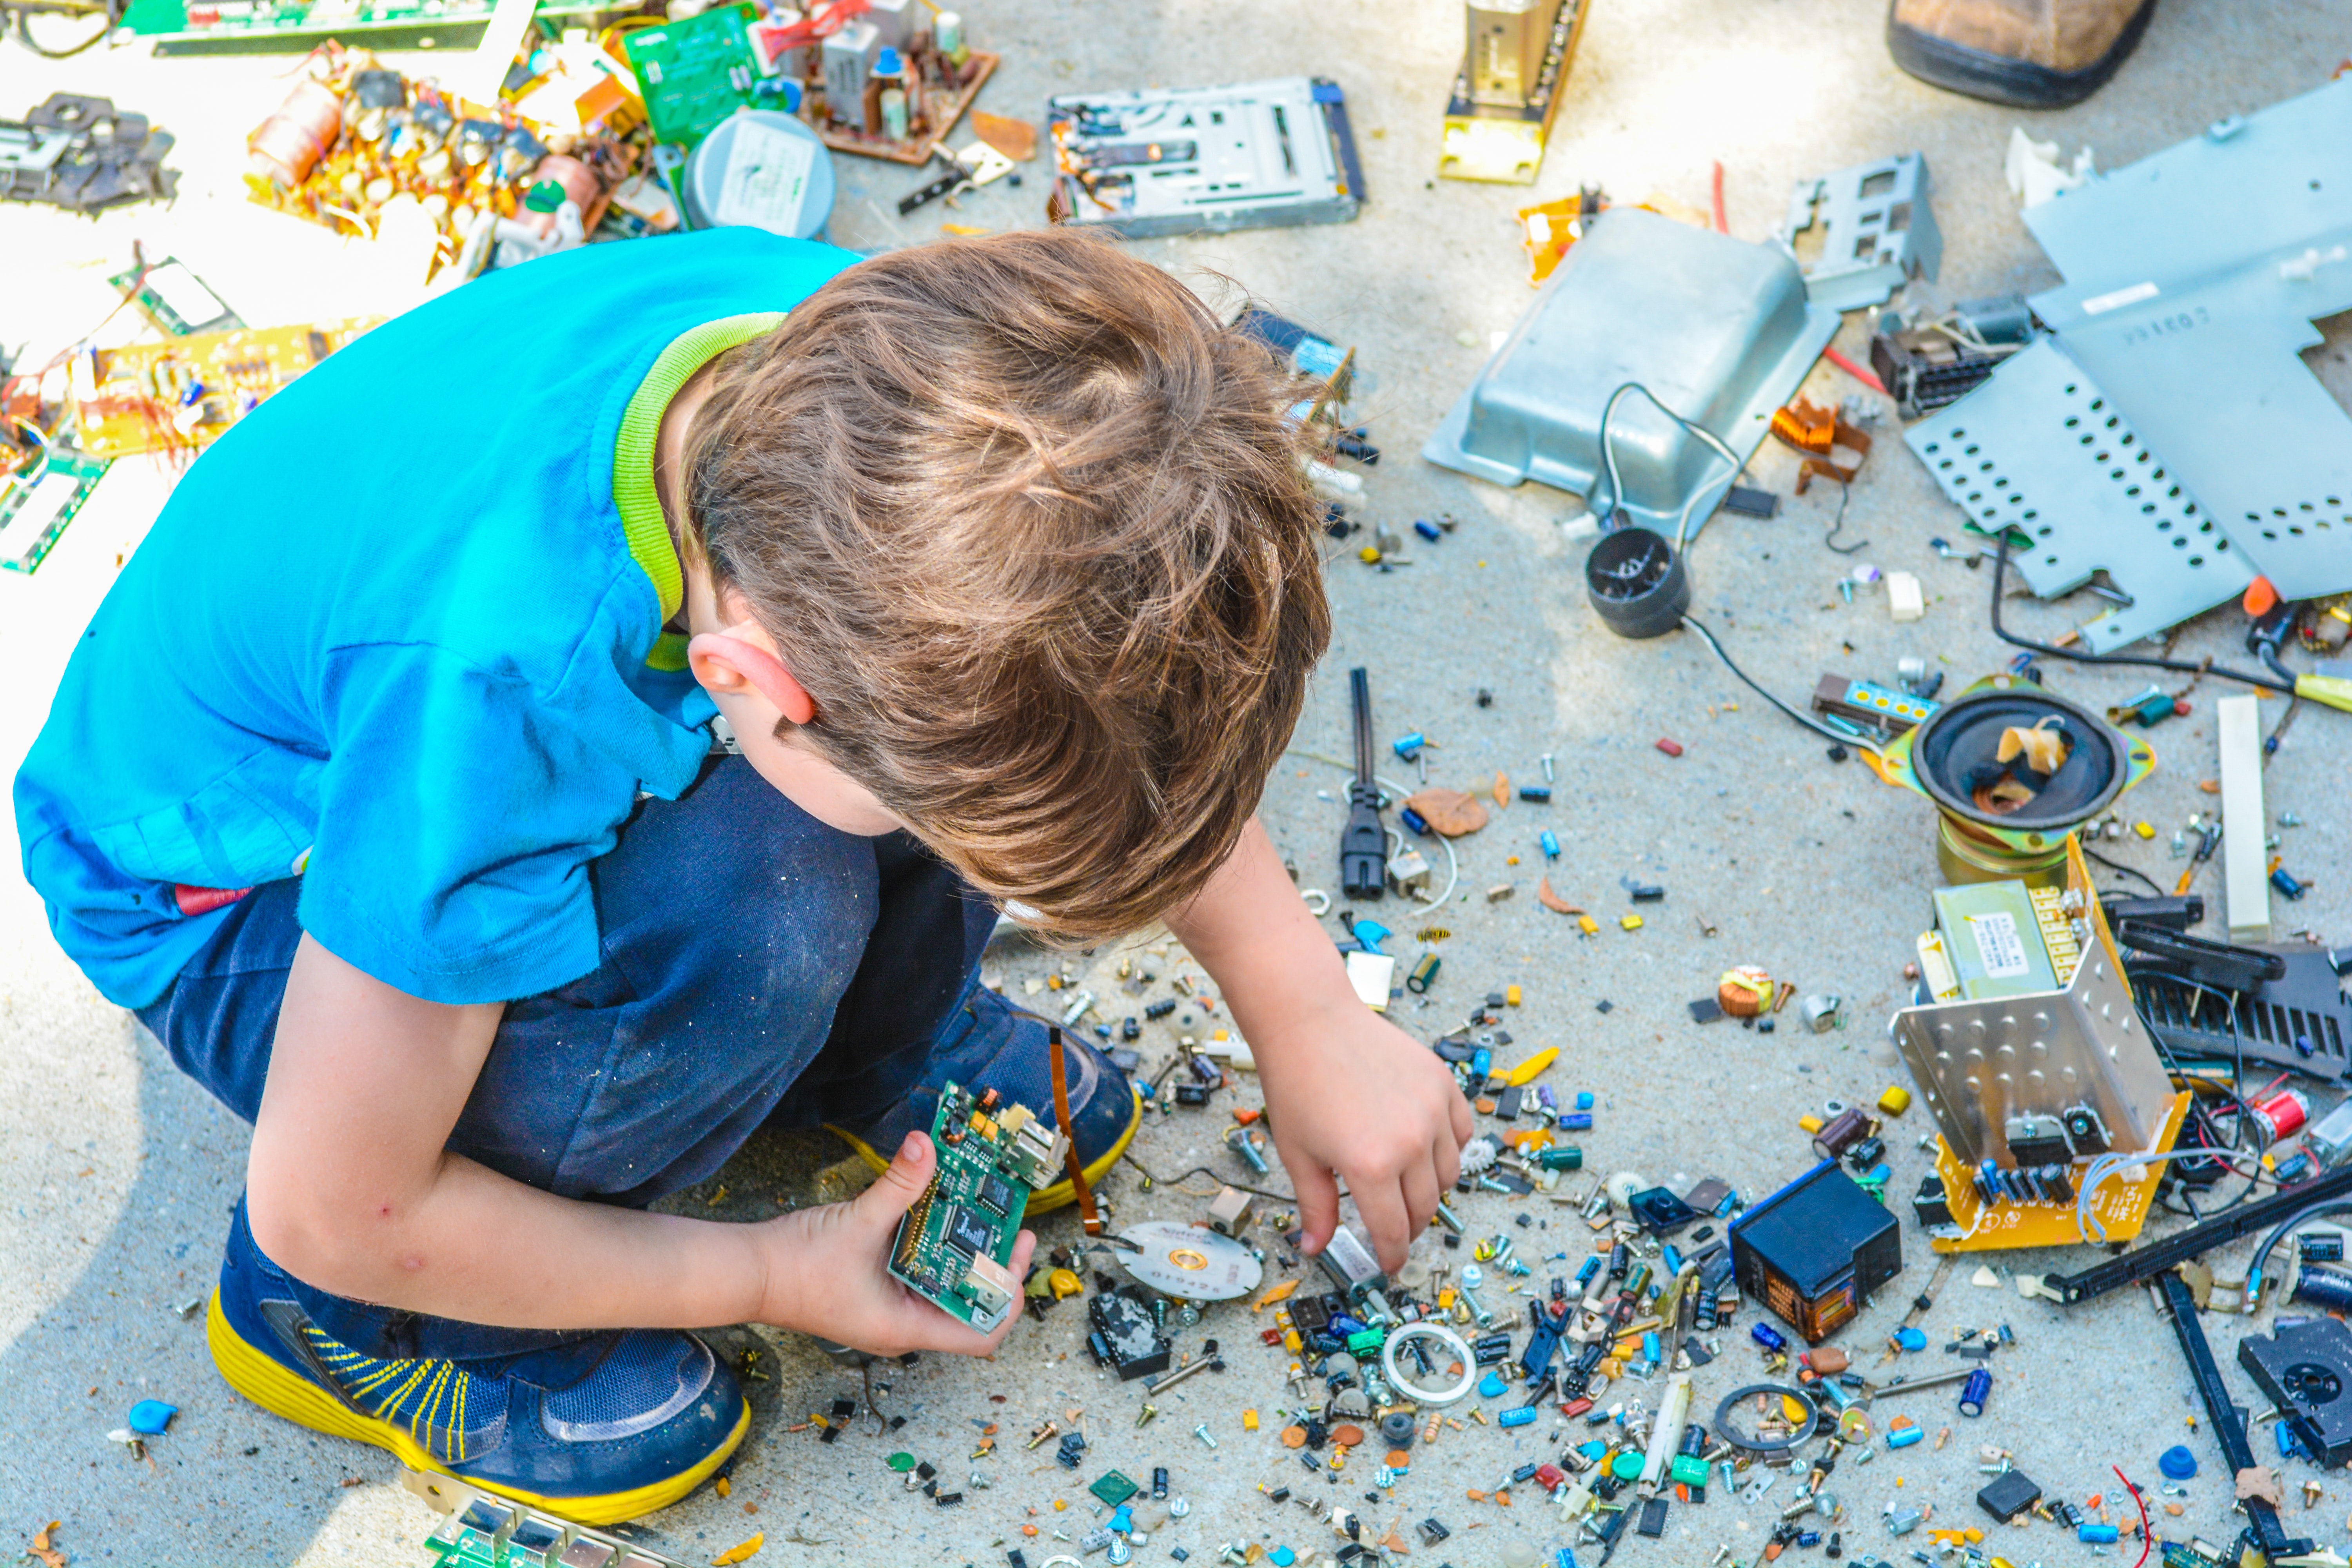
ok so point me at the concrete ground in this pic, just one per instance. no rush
(116, 1175)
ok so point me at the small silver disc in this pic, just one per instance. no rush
(1187, 1261)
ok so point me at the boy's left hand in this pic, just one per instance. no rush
(1354, 1097)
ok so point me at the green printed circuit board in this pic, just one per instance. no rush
(955, 1245)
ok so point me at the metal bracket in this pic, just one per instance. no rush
(2042, 451)
(1878, 231)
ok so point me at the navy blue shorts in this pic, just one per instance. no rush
(757, 965)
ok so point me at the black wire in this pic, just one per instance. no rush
(1846, 493)
(1204, 1171)
(1822, 730)
(2205, 667)
(2301, 1217)
(2153, 884)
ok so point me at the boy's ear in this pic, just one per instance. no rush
(727, 664)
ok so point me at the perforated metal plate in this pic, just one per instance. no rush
(2195, 324)
(2040, 448)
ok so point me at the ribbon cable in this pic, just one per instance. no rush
(1092, 1220)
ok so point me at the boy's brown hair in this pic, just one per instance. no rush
(1031, 528)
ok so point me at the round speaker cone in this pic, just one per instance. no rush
(1955, 757)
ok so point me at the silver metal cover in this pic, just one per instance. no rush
(1718, 329)
(1188, 1262)
(1980, 1063)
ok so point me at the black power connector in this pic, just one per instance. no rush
(1363, 843)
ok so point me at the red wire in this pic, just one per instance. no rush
(1861, 372)
(2146, 1541)
(1721, 226)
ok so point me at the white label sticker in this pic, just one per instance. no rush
(1998, 945)
(767, 178)
(2100, 304)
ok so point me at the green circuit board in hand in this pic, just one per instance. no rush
(955, 1245)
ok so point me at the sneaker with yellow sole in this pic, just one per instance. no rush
(596, 1427)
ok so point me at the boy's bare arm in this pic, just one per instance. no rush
(1351, 1093)
(351, 1189)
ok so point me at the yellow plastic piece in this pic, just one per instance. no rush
(2121, 1205)
(1794, 1409)
(1249, 1420)
(1370, 554)
(1528, 1070)
(1063, 1283)
(2145, 829)
(742, 1553)
(1809, 1124)
(1631, 923)
(1587, 924)
(1446, 1298)
(1511, 994)
(1273, 1293)
(1293, 1342)
(1895, 1100)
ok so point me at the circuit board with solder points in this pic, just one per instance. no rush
(954, 1247)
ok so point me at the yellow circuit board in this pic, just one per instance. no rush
(2121, 1205)
(182, 393)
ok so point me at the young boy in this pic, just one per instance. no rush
(383, 788)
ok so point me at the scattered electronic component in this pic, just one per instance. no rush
(1184, 161)
(82, 155)
(953, 1249)
(243, 26)
(483, 1530)
(1815, 1251)
(1515, 58)
(1928, 362)
(1125, 1338)
(1870, 704)
(183, 392)
(37, 503)
(177, 300)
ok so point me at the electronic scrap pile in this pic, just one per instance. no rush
(645, 126)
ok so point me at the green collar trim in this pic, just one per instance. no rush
(642, 524)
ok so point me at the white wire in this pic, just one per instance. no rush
(1453, 866)
(2097, 1173)
(1616, 481)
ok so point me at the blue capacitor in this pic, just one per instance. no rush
(1650, 1347)
(1416, 821)
(1520, 1417)
(1408, 747)
(1491, 1386)
(1584, 1275)
(1550, 842)
(1427, 530)
(1911, 1338)
(1482, 1062)
(1674, 1258)
(1973, 1392)
(1764, 1334)
(2098, 1534)
(1576, 1122)
(1904, 1437)
(1583, 1100)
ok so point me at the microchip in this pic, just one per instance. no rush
(968, 1231)
(996, 1194)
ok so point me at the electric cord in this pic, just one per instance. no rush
(2293, 1221)
(2204, 667)
(1822, 730)
(2153, 884)
(1616, 481)
(1452, 864)
(1151, 1181)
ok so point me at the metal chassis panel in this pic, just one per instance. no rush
(2041, 450)
(2197, 324)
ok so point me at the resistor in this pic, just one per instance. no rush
(1431, 1427)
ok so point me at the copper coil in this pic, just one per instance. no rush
(287, 144)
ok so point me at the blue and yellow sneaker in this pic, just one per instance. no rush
(599, 1428)
(990, 1044)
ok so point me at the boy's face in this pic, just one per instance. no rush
(739, 664)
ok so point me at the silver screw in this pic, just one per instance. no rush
(1547, 768)
(1244, 1143)
(1472, 1278)
(1202, 1432)
(1171, 1379)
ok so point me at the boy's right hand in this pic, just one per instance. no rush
(828, 1270)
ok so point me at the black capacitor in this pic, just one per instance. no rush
(1540, 793)
(1693, 1441)
(1867, 1153)
(1130, 1029)
(1160, 1481)
(1160, 1009)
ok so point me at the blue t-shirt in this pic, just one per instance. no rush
(396, 635)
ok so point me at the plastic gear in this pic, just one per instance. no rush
(1478, 1156)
